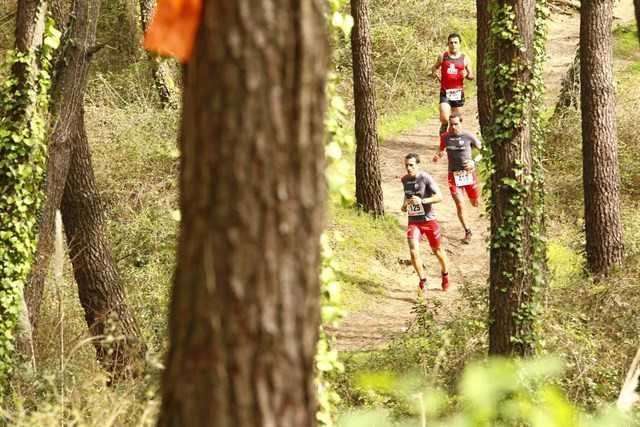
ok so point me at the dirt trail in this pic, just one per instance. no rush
(391, 314)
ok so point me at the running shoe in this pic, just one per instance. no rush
(445, 281)
(467, 236)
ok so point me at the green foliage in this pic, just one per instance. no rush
(497, 392)
(625, 44)
(23, 107)
(395, 124)
(119, 24)
(326, 362)
(83, 398)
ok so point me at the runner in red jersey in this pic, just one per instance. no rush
(462, 176)
(451, 68)
(420, 193)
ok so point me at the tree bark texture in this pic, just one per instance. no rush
(368, 176)
(245, 306)
(510, 269)
(636, 5)
(30, 21)
(159, 70)
(100, 287)
(485, 93)
(601, 175)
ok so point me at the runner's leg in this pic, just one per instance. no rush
(414, 249)
(459, 207)
(442, 258)
(445, 112)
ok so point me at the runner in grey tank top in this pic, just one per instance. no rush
(462, 176)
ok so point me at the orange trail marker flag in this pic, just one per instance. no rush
(172, 31)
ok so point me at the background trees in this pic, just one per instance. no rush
(601, 176)
(159, 70)
(244, 309)
(368, 179)
(70, 186)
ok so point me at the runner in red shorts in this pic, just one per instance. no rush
(462, 176)
(420, 193)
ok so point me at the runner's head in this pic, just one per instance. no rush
(455, 123)
(453, 42)
(411, 164)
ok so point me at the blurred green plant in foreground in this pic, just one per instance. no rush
(497, 392)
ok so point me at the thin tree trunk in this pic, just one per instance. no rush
(511, 261)
(368, 176)
(485, 92)
(601, 175)
(100, 286)
(159, 70)
(245, 310)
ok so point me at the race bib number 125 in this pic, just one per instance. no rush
(415, 210)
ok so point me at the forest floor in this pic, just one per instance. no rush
(391, 313)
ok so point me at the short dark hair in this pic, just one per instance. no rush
(454, 35)
(455, 115)
(413, 156)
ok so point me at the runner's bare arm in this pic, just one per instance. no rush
(470, 164)
(468, 68)
(437, 156)
(435, 69)
(436, 198)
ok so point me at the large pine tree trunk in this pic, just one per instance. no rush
(159, 70)
(601, 176)
(368, 176)
(245, 305)
(100, 286)
(512, 250)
